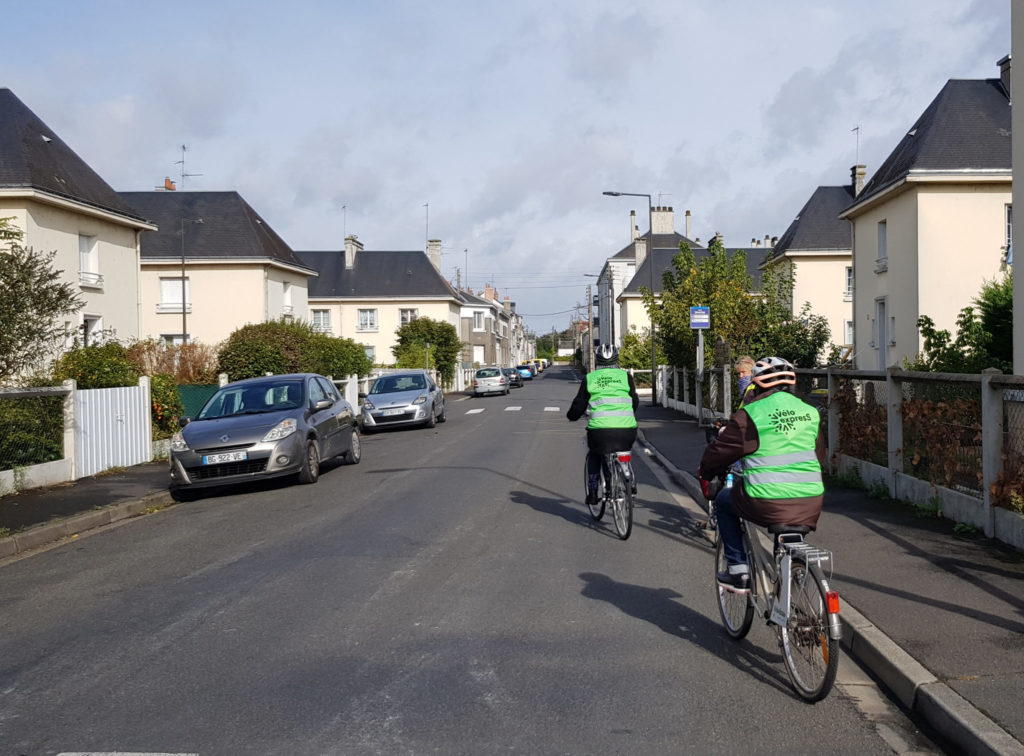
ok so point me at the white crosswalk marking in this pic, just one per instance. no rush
(120, 753)
(475, 411)
(552, 409)
(512, 409)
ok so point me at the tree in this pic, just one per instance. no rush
(445, 345)
(33, 299)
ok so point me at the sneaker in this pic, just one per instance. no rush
(737, 582)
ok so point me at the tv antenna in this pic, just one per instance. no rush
(856, 129)
(182, 164)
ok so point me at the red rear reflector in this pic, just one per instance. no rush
(832, 597)
(625, 457)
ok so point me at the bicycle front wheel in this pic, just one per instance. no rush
(737, 609)
(810, 653)
(597, 508)
(622, 502)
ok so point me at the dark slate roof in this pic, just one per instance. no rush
(231, 229)
(818, 225)
(966, 127)
(32, 156)
(661, 241)
(375, 274)
(663, 262)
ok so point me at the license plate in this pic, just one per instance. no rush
(216, 459)
(389, 412)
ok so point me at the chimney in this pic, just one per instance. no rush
(753, 242)
(352, 247)
(507, 304)
(489, 293)
(688, 224)
(662, 221)
(775, 240)
(718, 238)
(434, 253)
(767, 241)
(1004, 73)
(632, 225)
(857, 179)
(640, 246)
(168, 184)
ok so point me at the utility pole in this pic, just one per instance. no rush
(590, 328)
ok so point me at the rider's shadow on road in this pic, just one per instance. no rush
(659, 607)
(570, 511)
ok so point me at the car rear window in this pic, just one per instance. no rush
(488, 373)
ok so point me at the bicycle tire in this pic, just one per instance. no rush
(622, 501)
(809, 651)
(736, 609)
(597, 508)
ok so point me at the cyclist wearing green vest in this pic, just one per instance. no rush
(609, 395)
(778, 441)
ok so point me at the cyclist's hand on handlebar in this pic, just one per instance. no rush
(705, 488)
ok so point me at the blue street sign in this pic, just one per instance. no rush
(700, 317)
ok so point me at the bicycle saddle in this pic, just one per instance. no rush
(801, 529)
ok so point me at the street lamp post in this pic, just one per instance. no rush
(184, 322)
(650, 260)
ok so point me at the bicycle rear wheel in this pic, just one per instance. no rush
(622, 501)
(737, 609)
(810, 653)
(597, 508)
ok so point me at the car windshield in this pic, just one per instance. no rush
(390, 384)
(271, 396)
(488, 373)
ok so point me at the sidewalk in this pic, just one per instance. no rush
(937, 617)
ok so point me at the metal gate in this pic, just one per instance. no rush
(112, 428)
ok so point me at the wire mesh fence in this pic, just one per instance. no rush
(31, 431)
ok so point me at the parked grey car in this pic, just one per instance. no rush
(490, 380)
(407, 398)
(264, 428)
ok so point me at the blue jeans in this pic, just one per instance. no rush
(729, 528)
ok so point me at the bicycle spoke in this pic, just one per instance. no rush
(810, 654)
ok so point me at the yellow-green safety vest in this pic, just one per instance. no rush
(610, 404)
(785, 465)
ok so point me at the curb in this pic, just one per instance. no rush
(920, 692)
(54, 532)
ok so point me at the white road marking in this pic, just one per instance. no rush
(475, 411)
(552, 409)
(512, 409)
(120, 753)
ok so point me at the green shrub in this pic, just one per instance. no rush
(31, 431)
(289, 347)
(166, 404)
(97, 366)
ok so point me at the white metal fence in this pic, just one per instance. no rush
(113, 428)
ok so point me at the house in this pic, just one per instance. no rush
(62, 205)
(214, 252)
(614, 316)
(933, 223)
(819, 247)
(490, 330)
(365, 295)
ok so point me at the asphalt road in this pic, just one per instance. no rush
(450, 594)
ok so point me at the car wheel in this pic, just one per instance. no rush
(355, 453)
(443, 416)
(432, 419)
(310, 470)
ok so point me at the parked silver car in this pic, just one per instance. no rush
(490, 380)
(407, 398)
(264, 428)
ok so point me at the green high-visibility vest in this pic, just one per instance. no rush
(784, 465)
(610, 404)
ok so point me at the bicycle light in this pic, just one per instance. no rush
(832, 598)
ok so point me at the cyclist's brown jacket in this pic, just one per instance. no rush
(739, 438)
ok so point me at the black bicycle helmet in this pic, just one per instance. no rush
(770, 372)
(606, 355)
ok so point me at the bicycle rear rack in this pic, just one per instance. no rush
(811, 554)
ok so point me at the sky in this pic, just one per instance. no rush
(495, 127)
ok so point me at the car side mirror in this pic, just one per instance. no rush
(323, 404)
(183, 421)
(362, 395)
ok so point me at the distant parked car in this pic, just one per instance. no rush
(528, 364)
(264, 428)
(489, 380)
(407, 398)
(514, 379)
(540, 366)
(525, 372)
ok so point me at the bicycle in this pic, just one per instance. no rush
(789, 590)
(616, 487)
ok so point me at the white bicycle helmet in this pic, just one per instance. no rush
(770, 372)
(606, 355)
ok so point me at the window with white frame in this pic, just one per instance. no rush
(478, 320)
(1009, 225)
(848, 331)
(367, 320)
(882, 261)
(848, 291)
(408, 314)
(320, 320)
(170, 295)
(286, 299)
(370, 352)
(88, 261)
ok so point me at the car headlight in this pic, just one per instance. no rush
(283, 429)
(178, 442)
(420, 399)
(368, 405)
